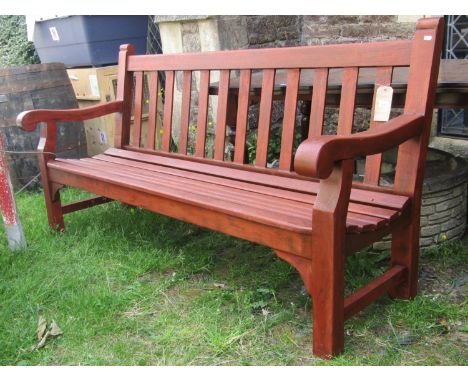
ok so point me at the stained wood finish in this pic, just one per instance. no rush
(313, 217)
(185, 113)
(168, 104)
(124, 94)
(86, 203)
(153, 84)
(138, 108)
(221, 118)
(242, 116)
(28, 120)
(374, 162)
(264, 118)
(318, 102)
(395, 53)
(347, 103)
(289, 119)
(202, 113)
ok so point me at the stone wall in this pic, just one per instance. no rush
(318, 30)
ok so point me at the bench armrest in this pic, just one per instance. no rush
(317, 156)
(27, 120)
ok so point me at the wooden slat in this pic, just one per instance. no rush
(271, 236)
(317, 109)
(138, 108)
(236, 192)
(85, 203)
(220, 134)
(168, 104)
(374, 162)
(153, 110)
(124, 94)
(297, 195)
(347, 102)
(264, 118)
(373, 198)
(373, 54)
(185, 111)
(242, 116)
(202, 113)
(289, 119)
(372, 291)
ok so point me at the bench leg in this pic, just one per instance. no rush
(324, 280)
(405, 252)
(54, 206)
(328, 302)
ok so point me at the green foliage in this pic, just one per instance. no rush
(274, 146)
(15, 49)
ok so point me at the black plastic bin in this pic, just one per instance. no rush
(88, 40)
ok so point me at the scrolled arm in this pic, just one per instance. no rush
(27, 120)
(316, 156)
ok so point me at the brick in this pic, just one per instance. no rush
(426, 210)
(440, 215)
(361, 31)
(450, 224)
(342, 19)
(382, 245)
(430, 230)
(426, 241)
(377, 18)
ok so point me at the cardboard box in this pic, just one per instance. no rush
(96, 85)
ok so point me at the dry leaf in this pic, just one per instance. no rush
(54, 329)
(41, 327)
(43, 335)
(43, 341)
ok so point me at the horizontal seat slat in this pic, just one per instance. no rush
(265, 204)
(248, 174)
(263, 216)
(384, 213)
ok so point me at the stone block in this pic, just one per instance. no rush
(430, 230)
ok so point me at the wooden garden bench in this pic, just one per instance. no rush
(309, 210)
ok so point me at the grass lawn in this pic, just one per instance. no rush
(129, 287)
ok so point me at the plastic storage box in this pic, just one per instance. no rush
(88, 40)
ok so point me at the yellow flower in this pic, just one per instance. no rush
(443, 237)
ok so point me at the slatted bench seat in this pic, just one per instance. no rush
(309, 210)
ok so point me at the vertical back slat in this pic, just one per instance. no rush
(168, 102)
(289, 119)
(124, 94)
(202, 113)
(138, 108)
(153, 109)
(374, 162)
(185, 112)
(220, 134)
(347, 101)
(319, 94)
(242, 115)
(263, 135)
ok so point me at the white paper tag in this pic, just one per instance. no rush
(54, 34)
(93, 84)
(383, 103)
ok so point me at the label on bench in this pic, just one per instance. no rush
(383, 103)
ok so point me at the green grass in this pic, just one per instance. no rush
(129, 287)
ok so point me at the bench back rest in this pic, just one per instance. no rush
(421, 55)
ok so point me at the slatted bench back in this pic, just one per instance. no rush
(351, 58)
